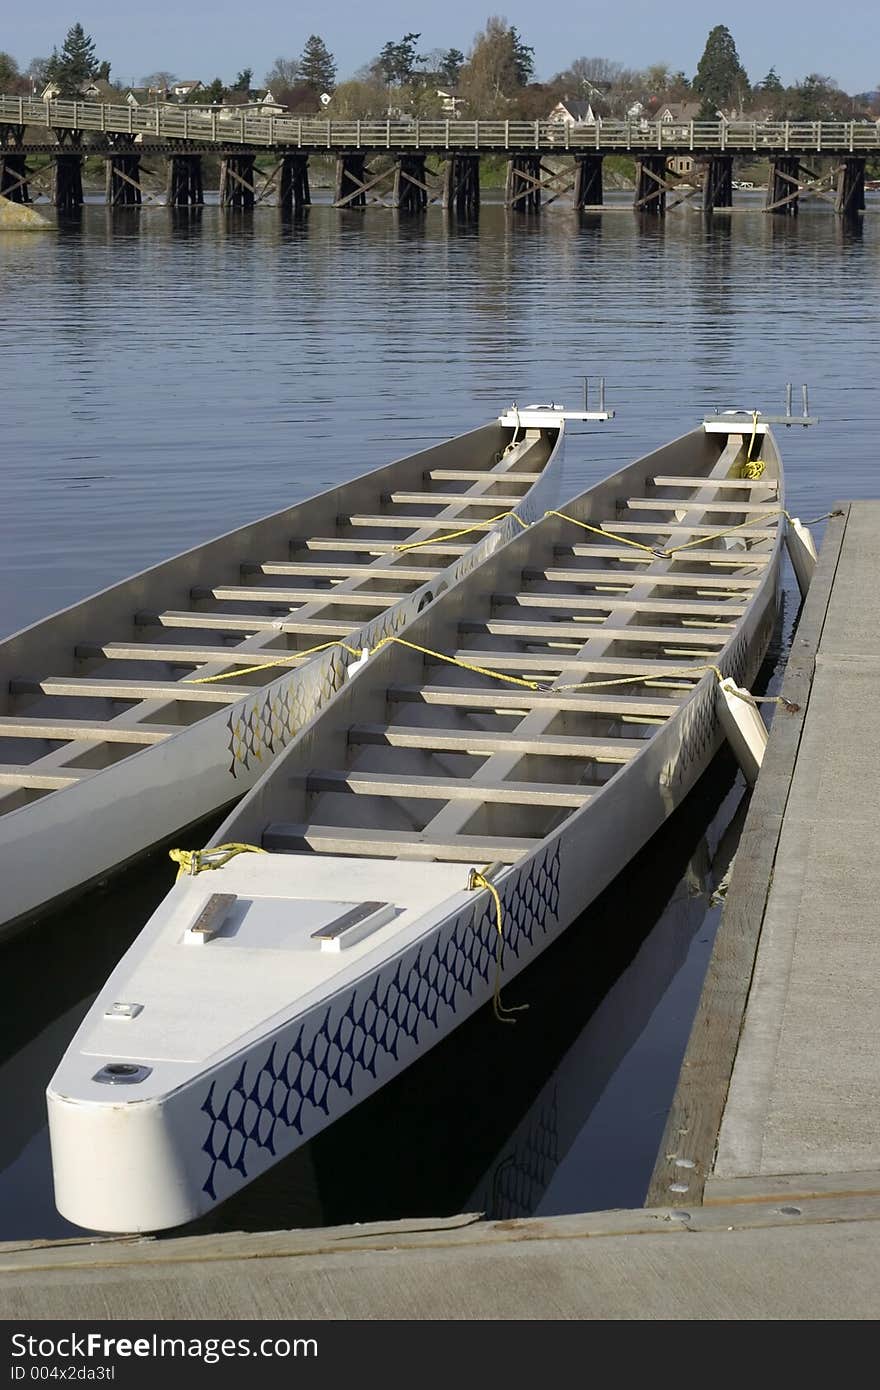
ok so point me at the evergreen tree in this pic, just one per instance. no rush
(450, 66)
(317, 66)
(243, 81)
(75, 64)
(720, 79)
(397, 61)
(523, 58)
(772, 82)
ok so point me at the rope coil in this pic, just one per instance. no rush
(196, 861)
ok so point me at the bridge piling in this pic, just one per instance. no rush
(651, 185)
(588, 189)
(237, 187)
(410, 189)
(185, 187)
(461, 184)
(522, 190)
(718, 182)
(850, 188)
(123, 174)
(784, 175)
(350, 180)
(13, 164)
(67, 188)
(293, 190)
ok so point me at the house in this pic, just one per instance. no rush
(572, 112)
(449, 102)
(182, 89)
(679, 113)
(95, 89)
(145, 96)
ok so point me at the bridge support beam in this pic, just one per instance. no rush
(237, 187)
(588, 190)
(718, 182)
(410, 189)
(784, 175)
(185, 187)
(293, 190)
(67, 191)
(523, 187)
(123, 174)
(13, 164)
(350, 180)
(850, 187)
(461, 184)
(651, 185)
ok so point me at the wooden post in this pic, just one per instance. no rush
(523, 187)
(718, 182)
(68, 194)
(349, 176)
(783, 169)
(13, 165)
(410, 189)
(123, 171)
(588, 189)
(851, 187)
(651, 183)
(293, 191)
(237, 187)
(185, 188)
(461, 184)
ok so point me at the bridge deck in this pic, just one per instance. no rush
(311, 134)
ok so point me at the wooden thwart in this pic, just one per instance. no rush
(466, 475)
(407, 573)
(87, 730)
(357, 598)
(571, 603)
(499, 698)
(669, 480)
(456, 499)
(682, 504)
(83, 686)
(477, 741)
(550, 631)
(24, 778)
(247, 622)
(389, 844)
(615, 577)
(448, 788)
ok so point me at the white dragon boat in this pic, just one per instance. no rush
(450, 811)
(108, 747)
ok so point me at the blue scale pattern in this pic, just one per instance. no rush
(267, 1098)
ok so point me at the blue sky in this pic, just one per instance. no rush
(208, 38)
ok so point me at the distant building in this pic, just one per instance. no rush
(449, 102)
(145, 96)
(95, 89)
(677, 114)
(572, 112)
(182, 89)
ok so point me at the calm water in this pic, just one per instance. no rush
(169, 376)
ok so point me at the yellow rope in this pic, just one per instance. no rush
(267, 665)
(457, 661)
(502, 1012)
(600, 531)
(465, 531)
(752, 468)
(195, 861)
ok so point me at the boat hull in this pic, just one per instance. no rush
(59, 844)
(195, 1141)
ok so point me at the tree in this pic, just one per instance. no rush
(523, 58)
(720, 79)
(397, 61)
(75, 64)
(450, 66)
(9, 74)
(283, 75)
(158, 81)
(317, 66)
(244, 80)
(771, 83)
(498, 67)
(37, 73)
(817, 98)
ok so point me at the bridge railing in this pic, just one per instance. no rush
(226, 126)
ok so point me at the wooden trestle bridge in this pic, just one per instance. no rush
(411, 163)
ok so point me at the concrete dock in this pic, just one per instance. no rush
(765, 1200)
